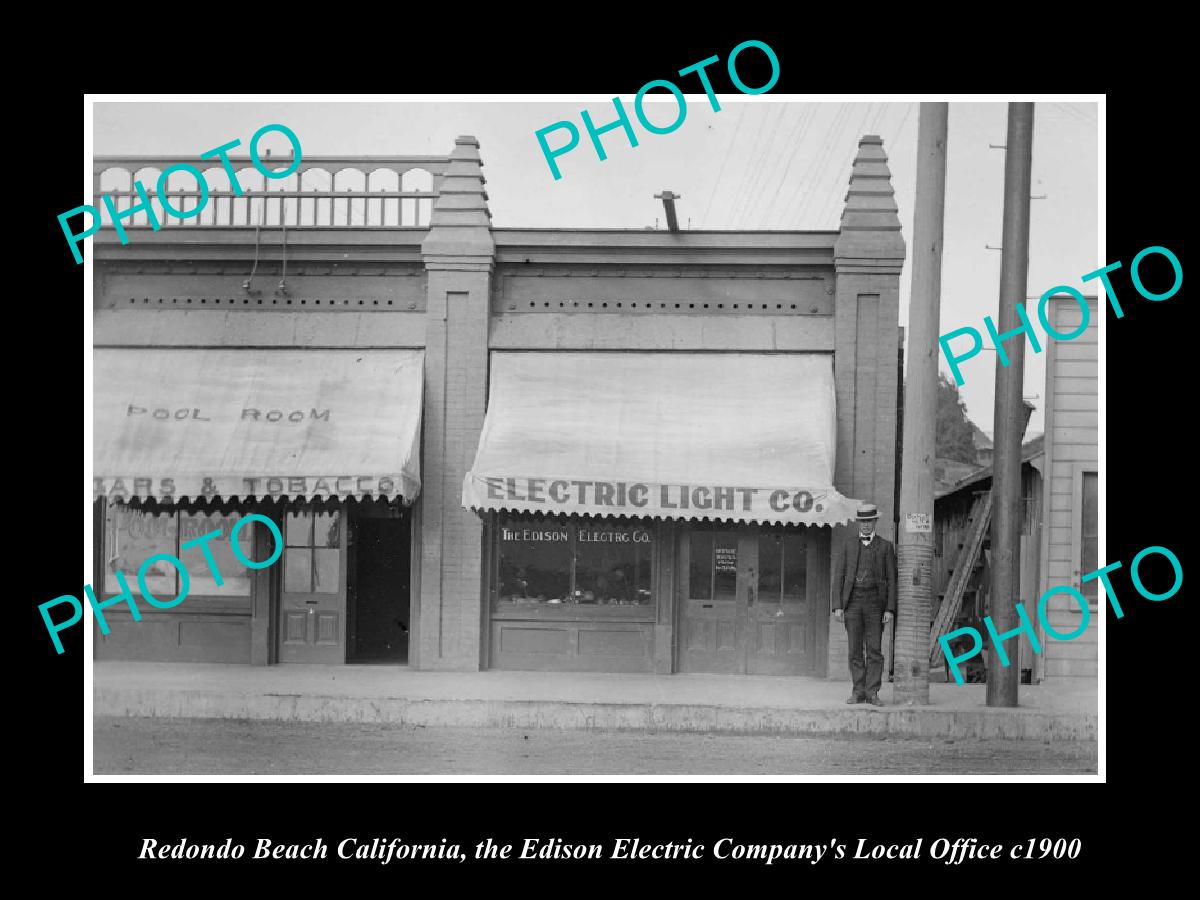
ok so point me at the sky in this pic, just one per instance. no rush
(759, 163)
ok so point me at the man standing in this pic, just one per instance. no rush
(864, 598)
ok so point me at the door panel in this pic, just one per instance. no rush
(313, 592)
(328, 628)
(295, 629)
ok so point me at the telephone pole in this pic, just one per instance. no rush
(914, 543)
(1010, 417)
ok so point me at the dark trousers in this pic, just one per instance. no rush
(864, 625)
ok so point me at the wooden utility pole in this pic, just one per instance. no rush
(1010, 418)
(914, 543)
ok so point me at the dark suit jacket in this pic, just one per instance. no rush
(845, 564)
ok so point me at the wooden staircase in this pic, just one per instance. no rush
(964, 565)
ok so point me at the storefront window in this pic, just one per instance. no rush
(561, 562)
(134, 535)
(535, 561)
(612, 565)
(235, 575)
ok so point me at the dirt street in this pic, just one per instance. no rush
(255, 747)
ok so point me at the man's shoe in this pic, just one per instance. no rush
(874, 700)
(856, 698)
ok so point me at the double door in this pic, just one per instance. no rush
(752, 599)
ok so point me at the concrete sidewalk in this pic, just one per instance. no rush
(743, 704)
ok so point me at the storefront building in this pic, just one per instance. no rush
(609, 450)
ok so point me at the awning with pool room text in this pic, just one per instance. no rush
(732, 436)
(225, 423)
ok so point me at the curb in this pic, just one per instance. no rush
(920, 722)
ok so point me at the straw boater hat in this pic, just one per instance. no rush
(867, 511)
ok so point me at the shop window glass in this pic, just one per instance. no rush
(561, 562)
(782, 567)
(725, 565)
(535, 560)
(612, 564)
(327, 552)
(795, 567)
(298, 529)
(297, 570)
(770, 567)
(713, 567)
(643, 574)
(701, 567)
(234, 573)
(326, 571)
(326, 526)
(133, 536)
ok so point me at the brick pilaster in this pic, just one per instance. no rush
(868, 257)
(459, 254)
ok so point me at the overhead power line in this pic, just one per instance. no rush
(756, 150)
(836, 192)
(805, 186)
(720, 172)
(810, 114)
(757, 183)
(820, 193)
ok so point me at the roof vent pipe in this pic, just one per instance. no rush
(668, 200)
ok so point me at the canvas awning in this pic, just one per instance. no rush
(171, 424)
(733, 436)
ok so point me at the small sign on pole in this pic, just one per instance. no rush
(918, 522)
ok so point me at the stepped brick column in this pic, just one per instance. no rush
(867, 258)
(459, 254)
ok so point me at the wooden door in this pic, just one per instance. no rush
(313, 595)
(717, 564)
(782, 614)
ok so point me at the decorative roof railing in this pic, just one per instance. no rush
(323, 192)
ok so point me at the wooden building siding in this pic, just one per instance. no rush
(1072, 448)
(950, 524)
